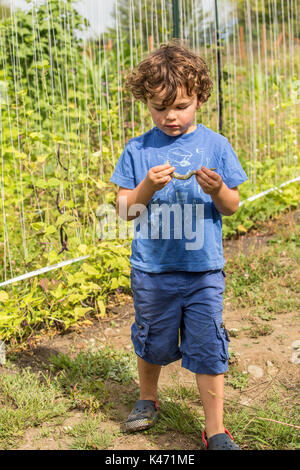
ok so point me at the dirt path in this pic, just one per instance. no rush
(271, 354)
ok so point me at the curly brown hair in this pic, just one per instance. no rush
(170, 67)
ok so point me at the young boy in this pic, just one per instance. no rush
(178, 283)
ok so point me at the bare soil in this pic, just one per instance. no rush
(272, 353)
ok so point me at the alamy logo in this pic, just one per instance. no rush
(161, 221)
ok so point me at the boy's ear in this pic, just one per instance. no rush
(199, 103)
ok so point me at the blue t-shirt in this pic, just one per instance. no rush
(181, 229)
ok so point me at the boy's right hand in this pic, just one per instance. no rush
(159, 176)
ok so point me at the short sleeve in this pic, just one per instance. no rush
(230, 168)
(123, 174)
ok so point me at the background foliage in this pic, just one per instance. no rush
(65, 118)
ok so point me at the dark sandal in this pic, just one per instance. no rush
(222, 441)
(143, 416)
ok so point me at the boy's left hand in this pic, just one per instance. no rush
(209, 181)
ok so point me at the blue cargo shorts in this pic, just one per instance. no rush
(178, 315)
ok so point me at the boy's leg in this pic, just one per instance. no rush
(145, 411)
(148, 375)
(212, 404)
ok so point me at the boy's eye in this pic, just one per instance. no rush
(178, 107)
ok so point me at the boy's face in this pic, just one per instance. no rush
(180, 114)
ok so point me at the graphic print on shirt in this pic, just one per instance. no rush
(178, 191)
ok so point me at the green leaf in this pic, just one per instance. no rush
(50, 229)
(37, 226)
(82, 248)
(41, 184)
(102, 308)
(3, 296)
(64, 218)
(89, 269)
(80, 311)
(114, 283)
(53, 182)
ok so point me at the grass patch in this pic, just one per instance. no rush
(87, 435)
(26, 401)
(252, 429)
(266, 280)
(236, 379)
(86, 378)
(181, 392)
(106, 364)
(181, 417)
(29, 399)
(260, 330)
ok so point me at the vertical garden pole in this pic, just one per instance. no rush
(175, 19)
(219, 71)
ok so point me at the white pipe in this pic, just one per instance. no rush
(43, 270)
(252, 198)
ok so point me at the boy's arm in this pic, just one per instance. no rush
(139, 195)
(157, 177)
(226, 200)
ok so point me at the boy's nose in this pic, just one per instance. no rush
(171, 116)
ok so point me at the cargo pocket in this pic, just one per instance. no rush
(223, 337)
(139, 334)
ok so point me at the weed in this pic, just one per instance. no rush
(86, 377)
(87, 435)
(181, 392)
(255, 427)
(233, 357)
(266, 281)
(237, 379)
(26, 401)
(104, 364)
(281, 338)
(44, 433)
(266, 316)
(181, 417)
(233, 332)
(260, 330)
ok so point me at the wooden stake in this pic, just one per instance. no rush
(279, 40)
(242, 42)
(109, 45)
(150, 43)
